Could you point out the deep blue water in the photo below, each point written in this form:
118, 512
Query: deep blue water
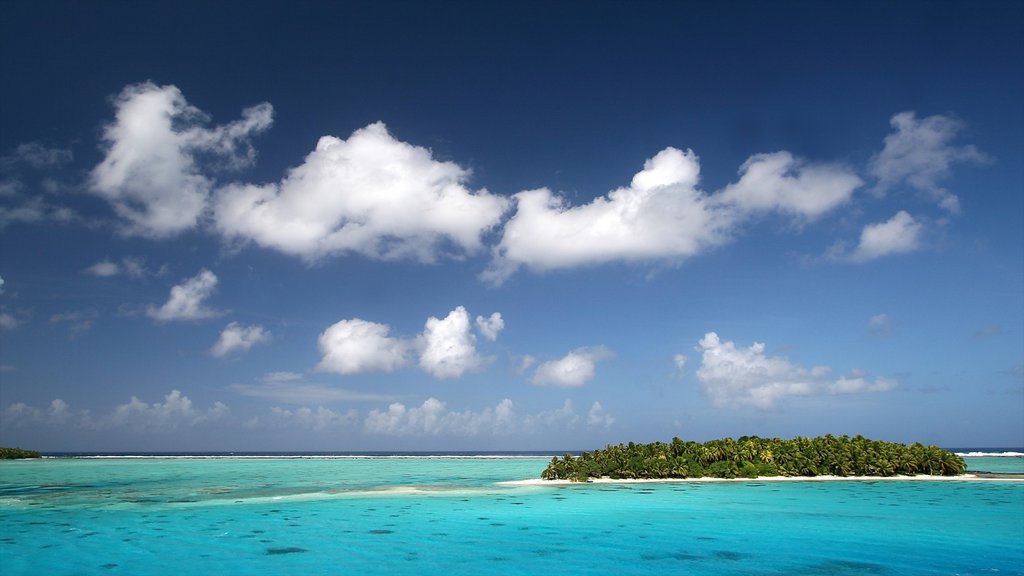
441, 515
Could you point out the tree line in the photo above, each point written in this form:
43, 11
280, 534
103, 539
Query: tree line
16, 453
751, 456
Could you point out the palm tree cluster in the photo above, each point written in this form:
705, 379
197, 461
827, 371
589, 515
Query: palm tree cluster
750, 457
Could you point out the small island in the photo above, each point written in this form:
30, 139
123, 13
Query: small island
17, 454
753, 457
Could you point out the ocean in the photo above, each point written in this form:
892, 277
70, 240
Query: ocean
450, 514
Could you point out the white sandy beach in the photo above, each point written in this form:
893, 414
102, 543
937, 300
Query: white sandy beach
606, 480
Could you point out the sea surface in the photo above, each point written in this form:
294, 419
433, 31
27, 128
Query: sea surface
444, 514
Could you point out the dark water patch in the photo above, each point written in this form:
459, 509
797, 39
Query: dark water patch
286, 550
497, 524
381, 531
843, 568
108, 566
258, 531
677, 556
730, 555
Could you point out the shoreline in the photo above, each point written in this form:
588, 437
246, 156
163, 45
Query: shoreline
920, 477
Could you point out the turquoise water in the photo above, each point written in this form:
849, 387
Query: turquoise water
450, 516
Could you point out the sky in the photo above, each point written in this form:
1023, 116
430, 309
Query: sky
509, 225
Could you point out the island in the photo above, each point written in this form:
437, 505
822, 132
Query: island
753, 457
17, 454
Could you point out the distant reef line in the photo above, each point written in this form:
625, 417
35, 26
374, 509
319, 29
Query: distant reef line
754, 457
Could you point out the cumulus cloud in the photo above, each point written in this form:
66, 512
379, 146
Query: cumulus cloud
448, 348
187, 300
131, 267
356, 346
898, 235
920, 154
58, 413
779, 182
732, 376
303, 418
238, 338
746, 376
573, 370
598, 418
680, 361
489, 327
662, 215
433, 418
371, 194
151, 173
176, 411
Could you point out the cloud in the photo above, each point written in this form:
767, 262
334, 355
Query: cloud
680, 361
920, 154
176, 411
151, 173
433, 418
371, 195
238, 338
898, 235
573, 370
130, 267
304, 418
447, 348
38, 156
746, 376
187, 300
880, 325
19, 415
732, 376
598, 418
78, 320
857, 385
34, 210
489, 327
781, 183
562, 418
662, 215
289, 388
356, 346
8, 321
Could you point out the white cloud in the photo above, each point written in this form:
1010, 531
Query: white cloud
598, 418
8, 321
320, 418
880, 325
490, 327
130, 267
19, 414
187, 300
561, 418
735, 376
289, 388
238, 338
356, 346
150, 174
856, 384
432, 418
371, 194
573, 370
732, 376
176, 411
680, 361
661, 215
779, 182
448, 349
920, 153
898, 235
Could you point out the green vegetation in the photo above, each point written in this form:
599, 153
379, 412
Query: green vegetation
15, 453
750, 457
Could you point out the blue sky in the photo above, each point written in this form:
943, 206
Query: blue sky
500, 226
